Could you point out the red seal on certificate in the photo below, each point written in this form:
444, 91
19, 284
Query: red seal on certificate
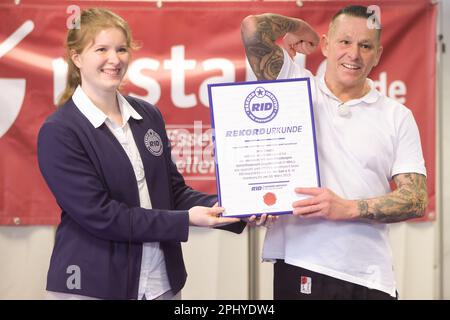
270, 199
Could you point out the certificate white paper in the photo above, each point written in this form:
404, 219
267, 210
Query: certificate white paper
265, 145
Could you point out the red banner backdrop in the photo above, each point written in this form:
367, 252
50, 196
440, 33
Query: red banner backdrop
184, 47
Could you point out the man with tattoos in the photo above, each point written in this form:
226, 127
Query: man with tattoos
336, 245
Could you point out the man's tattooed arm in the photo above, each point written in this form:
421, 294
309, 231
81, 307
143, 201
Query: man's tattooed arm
408, 201
259, 34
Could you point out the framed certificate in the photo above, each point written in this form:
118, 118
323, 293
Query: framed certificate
265, 145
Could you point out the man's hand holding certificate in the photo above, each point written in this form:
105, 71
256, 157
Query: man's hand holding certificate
264, 145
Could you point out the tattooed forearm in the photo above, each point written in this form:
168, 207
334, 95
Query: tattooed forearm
259, 34
408, 201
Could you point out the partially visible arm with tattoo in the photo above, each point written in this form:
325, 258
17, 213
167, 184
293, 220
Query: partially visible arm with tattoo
408, 201
259, 34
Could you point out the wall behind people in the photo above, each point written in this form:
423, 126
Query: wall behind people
444, 147
217, 263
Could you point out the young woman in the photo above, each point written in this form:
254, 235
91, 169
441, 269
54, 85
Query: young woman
106, 158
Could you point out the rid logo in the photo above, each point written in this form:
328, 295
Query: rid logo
154, 143
257, 188
261, 105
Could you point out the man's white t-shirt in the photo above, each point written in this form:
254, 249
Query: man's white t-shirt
358, 153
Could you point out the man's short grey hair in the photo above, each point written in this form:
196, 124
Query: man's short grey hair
359, 12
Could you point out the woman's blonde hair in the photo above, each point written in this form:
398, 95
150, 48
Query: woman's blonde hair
92, 21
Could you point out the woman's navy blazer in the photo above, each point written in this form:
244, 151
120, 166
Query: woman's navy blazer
102, 228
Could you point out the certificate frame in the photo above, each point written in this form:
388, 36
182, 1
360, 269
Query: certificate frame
267, 127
